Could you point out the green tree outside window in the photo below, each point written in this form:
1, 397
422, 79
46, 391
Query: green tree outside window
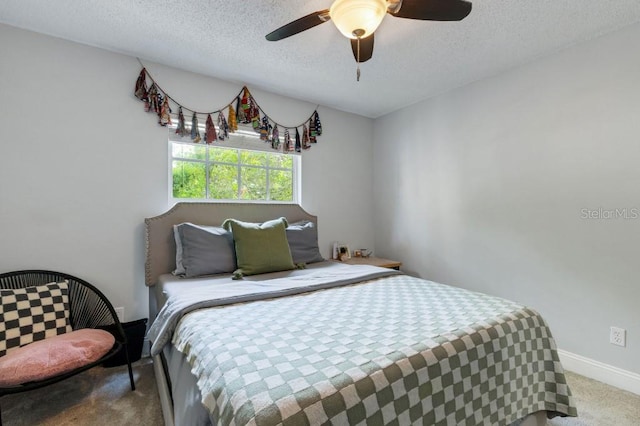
208, 172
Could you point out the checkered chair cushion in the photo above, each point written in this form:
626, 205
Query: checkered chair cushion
33, 313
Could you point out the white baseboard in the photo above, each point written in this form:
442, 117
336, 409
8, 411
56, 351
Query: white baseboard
600, 371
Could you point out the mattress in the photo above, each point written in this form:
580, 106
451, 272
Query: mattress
307, 348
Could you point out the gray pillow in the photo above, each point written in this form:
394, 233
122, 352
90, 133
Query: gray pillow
204, 250
303, 242
179, 266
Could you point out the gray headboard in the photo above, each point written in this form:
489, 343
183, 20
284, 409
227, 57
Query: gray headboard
160, 255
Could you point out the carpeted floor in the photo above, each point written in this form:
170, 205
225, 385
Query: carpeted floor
97, 397
102, 396
600, 405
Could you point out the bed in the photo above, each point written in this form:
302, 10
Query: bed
329, 343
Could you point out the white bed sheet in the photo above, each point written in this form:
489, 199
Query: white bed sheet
169, 284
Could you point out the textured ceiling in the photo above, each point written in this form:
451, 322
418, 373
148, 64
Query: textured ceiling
412, 60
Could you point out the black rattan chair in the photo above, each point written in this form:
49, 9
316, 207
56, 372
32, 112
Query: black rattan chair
88, 308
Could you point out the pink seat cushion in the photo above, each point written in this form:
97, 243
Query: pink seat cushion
54, 356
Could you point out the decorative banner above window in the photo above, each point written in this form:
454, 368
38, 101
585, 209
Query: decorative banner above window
246, 111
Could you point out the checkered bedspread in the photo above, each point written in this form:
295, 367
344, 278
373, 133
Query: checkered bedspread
395, 350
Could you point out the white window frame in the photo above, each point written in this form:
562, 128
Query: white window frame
296, 173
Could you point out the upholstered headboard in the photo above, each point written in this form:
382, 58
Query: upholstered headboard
160, 243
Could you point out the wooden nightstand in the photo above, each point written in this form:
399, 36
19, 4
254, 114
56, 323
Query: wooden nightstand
374, 261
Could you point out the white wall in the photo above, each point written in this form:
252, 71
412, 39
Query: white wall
82, 164
484, 188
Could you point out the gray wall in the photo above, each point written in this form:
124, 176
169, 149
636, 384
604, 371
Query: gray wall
82, 164
484, 188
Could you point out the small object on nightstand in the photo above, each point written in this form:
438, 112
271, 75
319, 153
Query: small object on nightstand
343, 254
341, 251
361, 253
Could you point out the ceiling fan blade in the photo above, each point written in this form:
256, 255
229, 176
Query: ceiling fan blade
434, 10
299, 25
366, 48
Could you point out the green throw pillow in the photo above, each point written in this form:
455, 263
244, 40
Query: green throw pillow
260, 248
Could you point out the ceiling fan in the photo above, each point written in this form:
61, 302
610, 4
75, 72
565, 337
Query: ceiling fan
358, 19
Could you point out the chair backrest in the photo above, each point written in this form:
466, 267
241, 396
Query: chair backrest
88, 307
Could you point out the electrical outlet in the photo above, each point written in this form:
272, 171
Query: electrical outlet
618, 336
120, 313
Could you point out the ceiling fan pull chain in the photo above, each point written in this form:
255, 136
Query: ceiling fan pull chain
358, 61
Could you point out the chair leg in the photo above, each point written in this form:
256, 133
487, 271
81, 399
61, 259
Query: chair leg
126, 354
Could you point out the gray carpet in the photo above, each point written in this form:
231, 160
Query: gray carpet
102, 396
600, 404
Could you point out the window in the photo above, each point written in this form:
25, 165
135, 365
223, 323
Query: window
201, 172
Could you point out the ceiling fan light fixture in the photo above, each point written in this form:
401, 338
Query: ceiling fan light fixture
353, 15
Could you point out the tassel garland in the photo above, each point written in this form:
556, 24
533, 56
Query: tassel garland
254, 113
316, 117
242, 116
312, 129
233, 120
152, 103
247, 111
164, 117
275, 138
210, 131
245, 101
288, 145
305, 137
264, 128
298, 143
141, 86
224, 127
181, 129
195, 131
